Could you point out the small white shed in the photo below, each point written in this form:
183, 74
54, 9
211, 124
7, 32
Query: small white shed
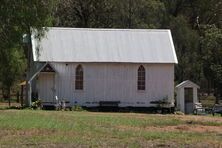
186, 96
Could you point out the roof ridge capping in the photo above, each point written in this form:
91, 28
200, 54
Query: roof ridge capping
107, 29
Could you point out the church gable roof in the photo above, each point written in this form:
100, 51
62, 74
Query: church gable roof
104, 45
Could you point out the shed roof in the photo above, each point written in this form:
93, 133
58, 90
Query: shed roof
104, 45
187, 83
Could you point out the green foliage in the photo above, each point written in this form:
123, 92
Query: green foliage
37, 104
138, 14
207, 101
109, 13
211, 42
77, 108
16, 18
186, 44
162, 102
12, 66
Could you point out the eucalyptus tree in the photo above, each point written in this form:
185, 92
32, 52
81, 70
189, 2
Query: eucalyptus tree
212, 61
16, 19
109, 13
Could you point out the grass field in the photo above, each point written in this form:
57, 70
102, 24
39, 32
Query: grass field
30, 128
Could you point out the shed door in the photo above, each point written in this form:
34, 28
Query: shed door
188, 98
46, 87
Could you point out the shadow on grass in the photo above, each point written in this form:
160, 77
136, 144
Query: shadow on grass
12, 107
145, 110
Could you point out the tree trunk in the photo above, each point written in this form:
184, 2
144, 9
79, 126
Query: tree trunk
219, 94
217, 99
29, 47
130, 14
9, 96
17, 96
22, 89
208, 87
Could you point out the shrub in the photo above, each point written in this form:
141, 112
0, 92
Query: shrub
37, 104
77, 108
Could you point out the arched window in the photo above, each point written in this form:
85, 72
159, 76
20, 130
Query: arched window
79, 78
141, 78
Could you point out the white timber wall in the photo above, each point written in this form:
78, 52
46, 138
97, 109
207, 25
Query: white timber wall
180, 100
114, 82
45, 86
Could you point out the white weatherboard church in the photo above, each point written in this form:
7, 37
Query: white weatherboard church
87, 66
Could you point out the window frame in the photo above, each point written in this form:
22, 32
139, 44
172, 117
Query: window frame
141, 78
79, 78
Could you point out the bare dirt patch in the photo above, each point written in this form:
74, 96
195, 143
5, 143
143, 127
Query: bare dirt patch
199, 118
196, 128
180, 117
183, 127
30, 132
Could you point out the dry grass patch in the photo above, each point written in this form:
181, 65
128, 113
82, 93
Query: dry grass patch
178, 128
27, 128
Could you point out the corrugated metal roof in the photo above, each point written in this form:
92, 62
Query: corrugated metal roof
105, 45
187, 83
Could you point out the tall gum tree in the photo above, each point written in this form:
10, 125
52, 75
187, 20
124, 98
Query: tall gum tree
16, 18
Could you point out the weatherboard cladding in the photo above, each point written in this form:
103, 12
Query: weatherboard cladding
105, 45
113, 82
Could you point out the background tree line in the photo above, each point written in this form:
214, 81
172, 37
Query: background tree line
196, 27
